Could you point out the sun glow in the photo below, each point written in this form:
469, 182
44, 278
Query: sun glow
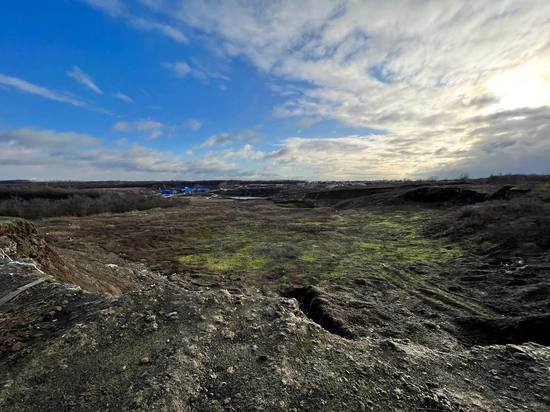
527, 86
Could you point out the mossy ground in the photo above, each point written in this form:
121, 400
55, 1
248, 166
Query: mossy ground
260, 244
319, 247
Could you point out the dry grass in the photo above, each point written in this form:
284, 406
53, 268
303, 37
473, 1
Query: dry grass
500, 226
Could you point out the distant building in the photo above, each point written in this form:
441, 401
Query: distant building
186, 190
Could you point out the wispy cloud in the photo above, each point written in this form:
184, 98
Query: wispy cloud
27, 87
116, 8
151, 128
150, 25
195, 69
123, 97
180, 69
220, 140
84, 79
193, 124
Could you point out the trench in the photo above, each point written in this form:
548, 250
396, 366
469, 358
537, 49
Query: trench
317, 308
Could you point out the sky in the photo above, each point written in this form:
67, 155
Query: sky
309, 89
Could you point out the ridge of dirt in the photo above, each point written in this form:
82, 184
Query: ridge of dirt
172, 349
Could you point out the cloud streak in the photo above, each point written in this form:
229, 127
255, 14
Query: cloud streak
123, 97
30, 88
182, 69
84, 79
116, 8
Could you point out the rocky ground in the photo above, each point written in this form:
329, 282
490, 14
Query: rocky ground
398, 319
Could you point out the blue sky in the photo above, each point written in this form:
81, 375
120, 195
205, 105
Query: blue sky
141, 89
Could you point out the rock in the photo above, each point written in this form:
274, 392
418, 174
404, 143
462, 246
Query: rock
17, 346
172, 316
145, 360
228, 334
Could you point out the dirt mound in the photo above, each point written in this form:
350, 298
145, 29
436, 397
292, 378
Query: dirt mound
342, 194
444, 195
508, 192
20, 239
171, 349
484, 331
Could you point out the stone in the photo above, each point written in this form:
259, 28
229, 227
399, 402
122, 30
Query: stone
17, 346
172, 316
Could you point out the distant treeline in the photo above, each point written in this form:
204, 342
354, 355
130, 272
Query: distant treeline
145, 184
35, 201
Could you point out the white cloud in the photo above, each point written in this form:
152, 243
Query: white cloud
514, 141
28, 137
27, 87
84, 79
441, 78
415, 69
220, 140
247, 152
49, 154
347, 157
123, 97
151, 128
193, 124
180, 69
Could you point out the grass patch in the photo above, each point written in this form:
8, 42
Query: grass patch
345, 247
231, 262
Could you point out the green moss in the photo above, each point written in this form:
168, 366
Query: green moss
238, 261
325, 248
307, 258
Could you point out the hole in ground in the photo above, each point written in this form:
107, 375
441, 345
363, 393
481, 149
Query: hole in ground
487, 331
318, 309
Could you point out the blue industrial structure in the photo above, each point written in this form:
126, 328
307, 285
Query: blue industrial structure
167, 192
185, 190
